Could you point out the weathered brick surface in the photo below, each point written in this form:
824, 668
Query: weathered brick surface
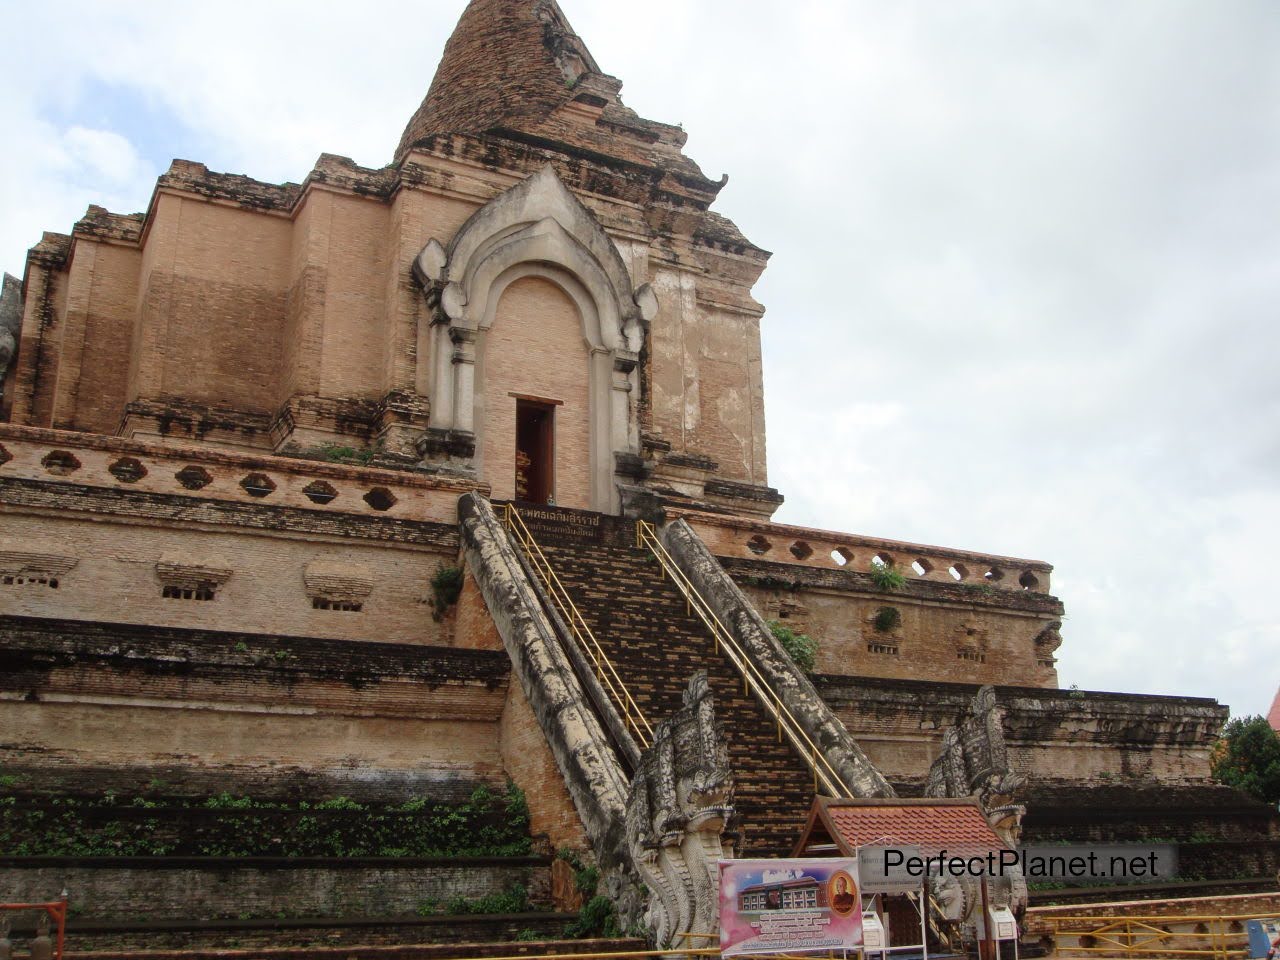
183, 704
404, 938
529, 762
997, 624
535, 348
218, 888
1062, 735
1252, 904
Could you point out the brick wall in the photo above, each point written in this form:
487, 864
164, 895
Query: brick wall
92, 383
1053, 735
535, 348
114, 529
100, 890
473, 628
1251, 904
213, 305
529, 762
400, 719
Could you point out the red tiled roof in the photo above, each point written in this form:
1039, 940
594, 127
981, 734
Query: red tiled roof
957, 826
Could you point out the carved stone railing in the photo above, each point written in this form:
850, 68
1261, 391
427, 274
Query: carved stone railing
728, 536
657, 835
36, 454
851, 772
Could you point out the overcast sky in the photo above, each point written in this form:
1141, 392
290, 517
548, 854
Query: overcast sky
1026, 282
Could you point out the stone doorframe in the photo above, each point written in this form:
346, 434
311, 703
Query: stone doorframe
535, 229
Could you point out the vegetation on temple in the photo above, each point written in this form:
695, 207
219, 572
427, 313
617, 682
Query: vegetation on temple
1247, 756
446, 586
487, 824
800, 647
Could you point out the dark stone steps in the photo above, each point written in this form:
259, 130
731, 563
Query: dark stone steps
641, 620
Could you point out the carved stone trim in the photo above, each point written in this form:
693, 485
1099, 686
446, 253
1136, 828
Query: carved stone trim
182, 572
23, 562
680, 816
537, 228
337, 582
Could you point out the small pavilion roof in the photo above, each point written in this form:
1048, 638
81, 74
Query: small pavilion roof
839, 826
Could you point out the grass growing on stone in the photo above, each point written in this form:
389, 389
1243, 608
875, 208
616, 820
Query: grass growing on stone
800, 647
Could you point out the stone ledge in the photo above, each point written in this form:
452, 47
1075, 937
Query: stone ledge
769, 574
47, 643
76, 498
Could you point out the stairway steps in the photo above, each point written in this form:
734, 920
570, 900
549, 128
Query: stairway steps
641, 620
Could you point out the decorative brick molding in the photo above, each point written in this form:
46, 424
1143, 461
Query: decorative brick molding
984, 574
337, 586
186, 578
21, 564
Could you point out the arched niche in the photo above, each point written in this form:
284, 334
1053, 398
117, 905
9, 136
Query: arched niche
535, 229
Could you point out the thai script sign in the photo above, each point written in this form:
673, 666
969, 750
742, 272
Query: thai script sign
789, 906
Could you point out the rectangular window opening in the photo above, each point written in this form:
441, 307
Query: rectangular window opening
535, 451
343, 606
173, 592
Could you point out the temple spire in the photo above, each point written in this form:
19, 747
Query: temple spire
509, 64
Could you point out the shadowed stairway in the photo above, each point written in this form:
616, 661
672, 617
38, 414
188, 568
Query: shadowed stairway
641, 620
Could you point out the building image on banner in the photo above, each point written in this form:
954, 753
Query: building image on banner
794, 906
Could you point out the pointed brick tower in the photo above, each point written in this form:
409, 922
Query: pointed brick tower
515, 70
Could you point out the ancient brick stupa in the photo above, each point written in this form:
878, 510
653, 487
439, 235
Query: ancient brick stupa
330, 490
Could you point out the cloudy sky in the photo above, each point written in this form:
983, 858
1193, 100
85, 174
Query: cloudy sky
1026, 281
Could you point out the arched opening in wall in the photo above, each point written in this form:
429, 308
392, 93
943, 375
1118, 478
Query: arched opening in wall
533, 398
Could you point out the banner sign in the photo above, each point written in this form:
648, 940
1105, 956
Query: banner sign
789, 906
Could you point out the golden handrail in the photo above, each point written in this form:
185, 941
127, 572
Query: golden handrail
586, 640
824, 774
1145, 936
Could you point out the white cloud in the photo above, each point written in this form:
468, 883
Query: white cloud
101, 156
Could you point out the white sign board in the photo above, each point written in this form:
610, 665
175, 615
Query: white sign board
872, 932
1003, 925
883, 869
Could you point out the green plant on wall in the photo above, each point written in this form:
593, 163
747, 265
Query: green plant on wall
800, 647
887, 619
335, 453
489, 823
446, 585
595, 919
886, 577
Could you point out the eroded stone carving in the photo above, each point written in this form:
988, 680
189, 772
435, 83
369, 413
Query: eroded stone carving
975, 763
1049, 640
10, 320
680, 816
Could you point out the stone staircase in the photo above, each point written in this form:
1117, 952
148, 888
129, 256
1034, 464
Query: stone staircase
641, 620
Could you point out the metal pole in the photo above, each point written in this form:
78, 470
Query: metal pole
924, 933
986, 948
